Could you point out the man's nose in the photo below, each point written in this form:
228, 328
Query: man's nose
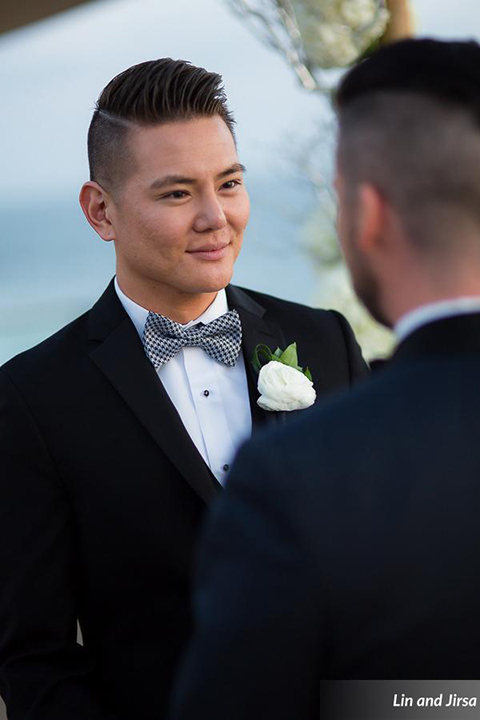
210, 215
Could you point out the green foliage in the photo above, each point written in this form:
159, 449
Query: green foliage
263, 355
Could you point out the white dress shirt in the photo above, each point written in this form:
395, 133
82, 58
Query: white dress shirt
210, 397
425, 314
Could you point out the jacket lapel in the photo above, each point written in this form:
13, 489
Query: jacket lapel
255, 330
119, 354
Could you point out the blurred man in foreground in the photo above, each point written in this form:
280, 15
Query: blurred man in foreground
347, 546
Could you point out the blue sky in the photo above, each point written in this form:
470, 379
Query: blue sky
52, 72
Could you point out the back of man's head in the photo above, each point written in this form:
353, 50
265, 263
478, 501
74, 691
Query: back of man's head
409, 119
145, 95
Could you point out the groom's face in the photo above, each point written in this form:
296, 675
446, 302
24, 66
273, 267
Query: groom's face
179, 218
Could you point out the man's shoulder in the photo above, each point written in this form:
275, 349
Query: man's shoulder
270, 302
49, 353
353, 437
288, 311
331, 459
325, 423
326, 341
62, 350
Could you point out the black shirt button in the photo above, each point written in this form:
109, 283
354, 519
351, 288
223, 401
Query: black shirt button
206, 393
226, 467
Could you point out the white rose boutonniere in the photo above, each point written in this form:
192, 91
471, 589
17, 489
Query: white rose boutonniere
282, 383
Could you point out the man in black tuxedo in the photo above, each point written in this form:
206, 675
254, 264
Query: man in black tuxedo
117, 432
346, 546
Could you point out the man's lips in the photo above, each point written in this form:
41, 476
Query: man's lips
210, 252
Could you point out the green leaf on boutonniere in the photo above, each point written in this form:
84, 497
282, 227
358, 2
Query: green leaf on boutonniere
263, 355
289, 356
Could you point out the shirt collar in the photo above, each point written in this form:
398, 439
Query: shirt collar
425, 314
138, 314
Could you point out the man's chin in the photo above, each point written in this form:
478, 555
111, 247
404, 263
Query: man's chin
369, 296
376, 312
214, 282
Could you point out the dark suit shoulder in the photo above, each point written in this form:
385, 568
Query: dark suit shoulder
400, 425
288, 308
324, 338
56, 351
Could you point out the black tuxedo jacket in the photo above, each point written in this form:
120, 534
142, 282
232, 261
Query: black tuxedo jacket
101, 496
347, 545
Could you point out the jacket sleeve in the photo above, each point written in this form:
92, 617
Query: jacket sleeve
255, 648
44, 673
358, 366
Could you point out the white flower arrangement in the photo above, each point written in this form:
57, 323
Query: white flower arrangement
335, 33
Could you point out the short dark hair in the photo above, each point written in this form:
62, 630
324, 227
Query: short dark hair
148, 94
448, 72
409, 118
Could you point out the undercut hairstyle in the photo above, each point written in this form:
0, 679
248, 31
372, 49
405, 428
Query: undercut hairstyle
149, 94
409, 124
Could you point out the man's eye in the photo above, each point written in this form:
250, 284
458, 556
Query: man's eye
230, 184
175, 195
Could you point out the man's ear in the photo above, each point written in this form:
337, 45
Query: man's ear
94, 201
372, 217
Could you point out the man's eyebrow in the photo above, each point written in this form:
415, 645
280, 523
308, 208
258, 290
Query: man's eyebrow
181, 180
238, 167
171, 180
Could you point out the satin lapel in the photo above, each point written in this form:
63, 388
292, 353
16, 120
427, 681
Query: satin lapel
255, 329
121, 358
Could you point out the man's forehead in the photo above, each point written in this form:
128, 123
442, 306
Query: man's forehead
185, 135
197, 147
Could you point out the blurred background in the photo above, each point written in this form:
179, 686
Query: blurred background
52, 265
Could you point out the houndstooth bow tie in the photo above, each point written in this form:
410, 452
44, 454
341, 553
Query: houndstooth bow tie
221, 339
